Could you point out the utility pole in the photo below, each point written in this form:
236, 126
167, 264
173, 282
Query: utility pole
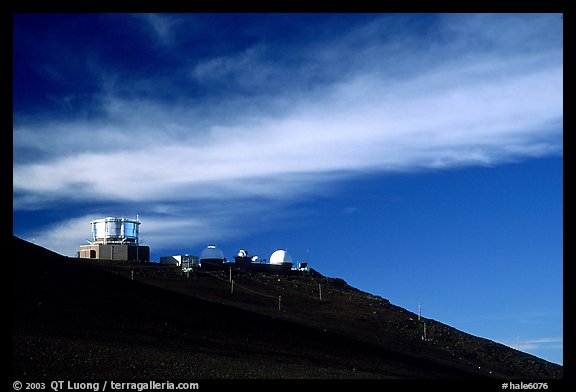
423, 323
320, 290
232, 287
138, 239
230, 279
279, 302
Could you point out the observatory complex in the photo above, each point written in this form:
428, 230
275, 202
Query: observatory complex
118, 239
212, 258
115, 239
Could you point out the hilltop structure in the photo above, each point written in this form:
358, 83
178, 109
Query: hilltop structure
115, 239
280, 262
185, 261
212, 258
118, 239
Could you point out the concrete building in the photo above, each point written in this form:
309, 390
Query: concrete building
115, 252
185, 261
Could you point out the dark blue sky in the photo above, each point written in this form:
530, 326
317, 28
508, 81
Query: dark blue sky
417, 156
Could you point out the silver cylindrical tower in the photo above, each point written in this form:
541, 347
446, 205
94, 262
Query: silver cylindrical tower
112, 230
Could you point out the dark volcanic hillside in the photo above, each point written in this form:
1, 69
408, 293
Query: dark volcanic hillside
81, 319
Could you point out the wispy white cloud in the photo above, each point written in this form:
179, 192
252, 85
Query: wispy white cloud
350, 210
65, 236
550, 343
476, 123
161, 25
534, 345
169, 226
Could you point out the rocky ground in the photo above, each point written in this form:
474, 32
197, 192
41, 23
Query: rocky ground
104, 320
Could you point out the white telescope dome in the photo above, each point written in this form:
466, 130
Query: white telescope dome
280, 257
211, 253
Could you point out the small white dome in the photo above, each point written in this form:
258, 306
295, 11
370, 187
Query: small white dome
211, 253
280, 257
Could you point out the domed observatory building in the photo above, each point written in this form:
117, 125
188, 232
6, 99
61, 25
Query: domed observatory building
281, 259
211, 258
243, 258
115, 239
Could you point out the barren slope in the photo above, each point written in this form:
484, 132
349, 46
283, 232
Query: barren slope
90, 320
